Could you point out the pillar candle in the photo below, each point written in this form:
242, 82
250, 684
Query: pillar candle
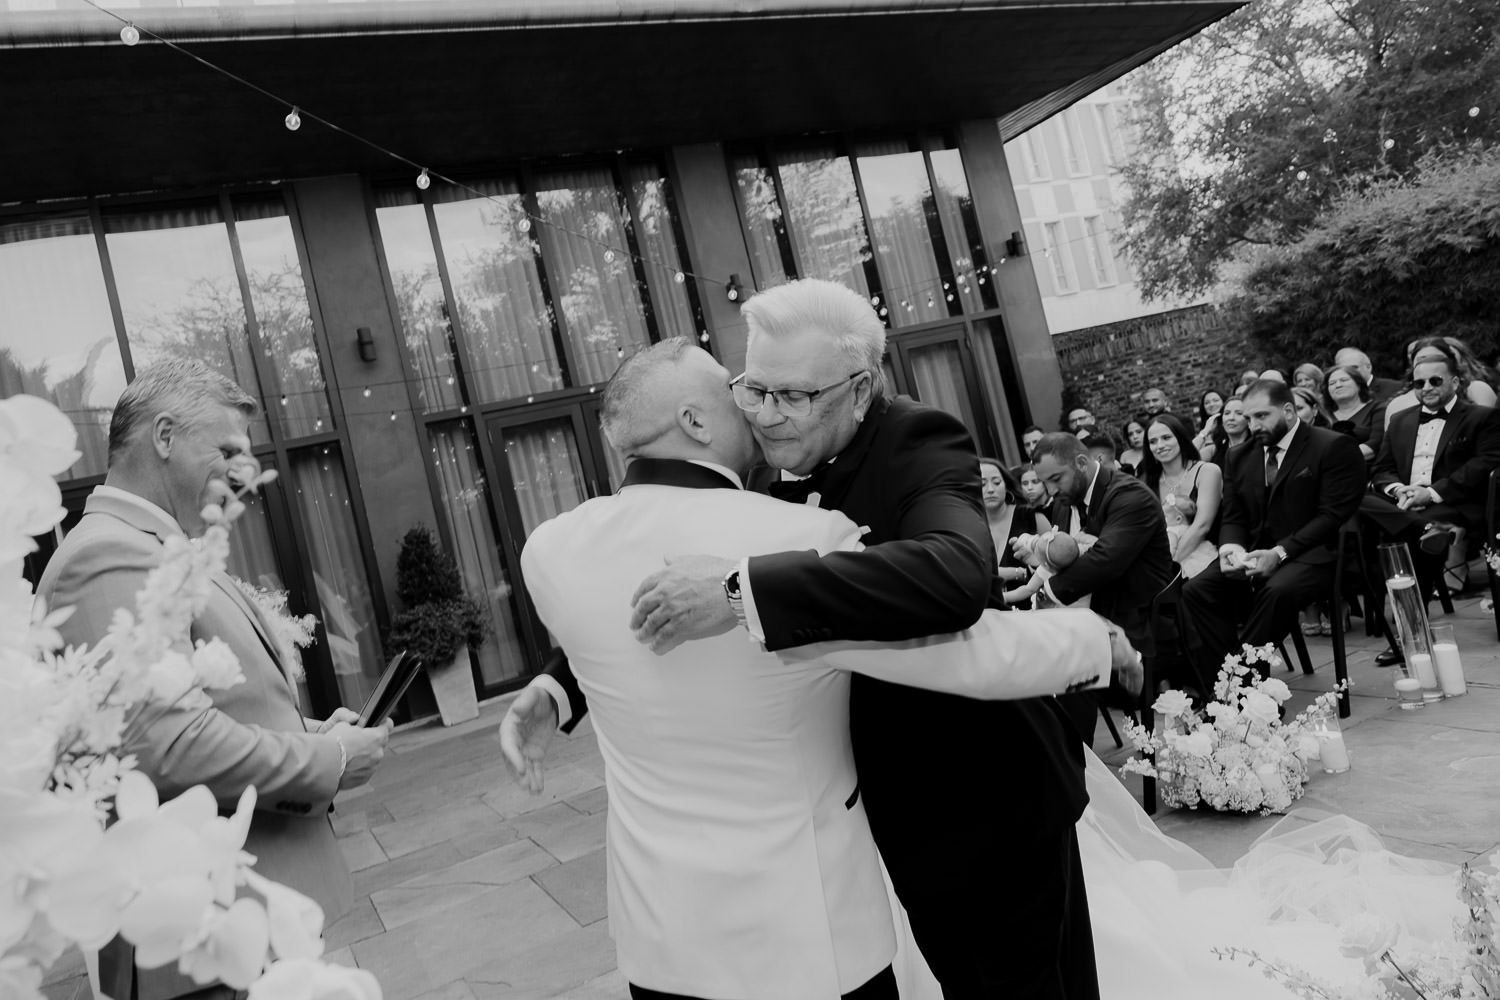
1421, 668
1450, 668
1335, 754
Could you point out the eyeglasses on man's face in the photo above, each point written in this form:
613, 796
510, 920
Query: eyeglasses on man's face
1432, 382
790, 402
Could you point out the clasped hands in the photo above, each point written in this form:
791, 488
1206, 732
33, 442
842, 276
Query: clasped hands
1413, 497
1255, 564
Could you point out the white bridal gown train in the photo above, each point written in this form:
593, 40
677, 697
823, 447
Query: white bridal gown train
1159, 908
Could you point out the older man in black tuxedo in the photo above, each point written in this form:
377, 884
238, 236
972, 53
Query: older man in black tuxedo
1287, 492
1127, 565
1432, 472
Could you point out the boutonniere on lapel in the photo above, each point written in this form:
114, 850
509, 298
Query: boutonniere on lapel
1304, 474
291, 632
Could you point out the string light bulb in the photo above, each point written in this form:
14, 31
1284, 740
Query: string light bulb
393, 414
367, 392
609, 256
130, 34
293, 120
524, 225
1390, 143
1301, 175
423, 180
1474, 112
679, 277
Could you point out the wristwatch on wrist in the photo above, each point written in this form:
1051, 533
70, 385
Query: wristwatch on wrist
1280, 552
734, 595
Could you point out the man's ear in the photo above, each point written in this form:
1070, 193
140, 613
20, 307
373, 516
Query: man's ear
864, 394
690, 421
164, 432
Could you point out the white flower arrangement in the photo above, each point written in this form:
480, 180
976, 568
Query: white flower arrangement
1466, 968
1237, 755
293, 632
172, 878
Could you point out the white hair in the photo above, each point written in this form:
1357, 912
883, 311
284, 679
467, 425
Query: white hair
844, 315
633, 411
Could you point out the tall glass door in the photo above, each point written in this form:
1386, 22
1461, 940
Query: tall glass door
937, 368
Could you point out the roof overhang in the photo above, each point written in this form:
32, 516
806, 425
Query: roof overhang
455, 82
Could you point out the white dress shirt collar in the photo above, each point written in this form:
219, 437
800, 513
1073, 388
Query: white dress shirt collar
1286, 439
1088, 496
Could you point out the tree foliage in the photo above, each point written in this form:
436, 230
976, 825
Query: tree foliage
438, 617
1407, 258
1249, 130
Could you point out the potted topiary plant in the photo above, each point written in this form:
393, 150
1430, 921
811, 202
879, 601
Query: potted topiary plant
438, 624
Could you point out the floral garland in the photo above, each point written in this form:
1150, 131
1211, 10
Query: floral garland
1238, 755
168, 877
293, 632
1467, 968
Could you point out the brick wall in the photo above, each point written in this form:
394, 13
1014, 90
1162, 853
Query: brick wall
1184, 352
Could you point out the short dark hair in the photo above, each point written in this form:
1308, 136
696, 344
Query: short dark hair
1354, 376
1102, 442
1279, 393
1439, 345
1061, 445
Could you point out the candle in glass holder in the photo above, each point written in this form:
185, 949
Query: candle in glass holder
1421, 669
1335, 755
1450, 668
1409, 690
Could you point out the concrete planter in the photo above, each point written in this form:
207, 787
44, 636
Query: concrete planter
453, 687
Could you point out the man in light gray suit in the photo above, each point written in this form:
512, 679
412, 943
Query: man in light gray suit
178, 431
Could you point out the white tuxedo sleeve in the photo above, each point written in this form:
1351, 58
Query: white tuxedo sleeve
1005, 656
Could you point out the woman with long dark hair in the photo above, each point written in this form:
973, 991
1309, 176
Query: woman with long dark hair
1134, 436
1231, 429
1009, 515
1189, 489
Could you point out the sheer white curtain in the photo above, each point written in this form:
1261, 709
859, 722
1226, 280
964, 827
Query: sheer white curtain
425, 332
826, 223
589, 269
897, 195
546, 470
465, 509
956, 207
938, 377
657, 240
760, 212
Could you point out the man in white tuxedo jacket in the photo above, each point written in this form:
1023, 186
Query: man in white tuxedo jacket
741, 865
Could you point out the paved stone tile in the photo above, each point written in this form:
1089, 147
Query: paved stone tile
484, 840
406, 835
610, 986
566, 961
572, 838
356, 925
420, 897
592, 801
543, 818
424, 797
398, 870
1478, 710
361, 850
456, 990
343, 956
578, 886
350, 821
426, 954
567, 781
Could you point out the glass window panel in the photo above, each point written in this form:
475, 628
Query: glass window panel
546, 469
426, 334
57, 336
252, 555
937, 375
1057, 257
283, 319
320, 499
761, 212
897, 197
1072, 137
180, 294
1109, 140
1096, 242
827, 226
657, 240
506, 324
1035, 151
589, 269
464, 506
961, 230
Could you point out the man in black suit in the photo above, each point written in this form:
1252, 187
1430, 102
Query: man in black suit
1129, 563
1287, 492
1432, 472
997, 906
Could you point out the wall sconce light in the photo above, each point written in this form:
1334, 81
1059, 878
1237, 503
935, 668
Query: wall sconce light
366, 342
734, 291
1015, 246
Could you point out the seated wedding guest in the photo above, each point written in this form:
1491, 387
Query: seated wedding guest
1032, 491
1472, 384
1247, 378
1230, 431
1134, 435
1309, 406
1381, 389
1308, 376
1286, 495
1102, 446
1155, 401
1029, 437
1009, 515
1353, 410
1210, 405
1080, 422
1272, 375
1432, 473
1128, 564
1188, 489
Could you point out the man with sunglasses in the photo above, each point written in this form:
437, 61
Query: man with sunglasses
997, 904
1432, 472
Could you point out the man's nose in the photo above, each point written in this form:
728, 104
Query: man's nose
769, 414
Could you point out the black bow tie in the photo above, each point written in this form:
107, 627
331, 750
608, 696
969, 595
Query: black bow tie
1425, 416
798, 490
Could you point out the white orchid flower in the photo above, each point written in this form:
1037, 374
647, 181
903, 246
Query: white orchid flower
303, 979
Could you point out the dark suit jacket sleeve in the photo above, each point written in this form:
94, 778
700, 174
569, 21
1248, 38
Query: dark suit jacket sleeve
1376, 431
1341, 484
1130, 521
932, 577
1234, 528
561, 671
1383, 471
1468, 482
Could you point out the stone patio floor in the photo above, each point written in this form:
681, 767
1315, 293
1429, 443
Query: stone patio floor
470, 888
